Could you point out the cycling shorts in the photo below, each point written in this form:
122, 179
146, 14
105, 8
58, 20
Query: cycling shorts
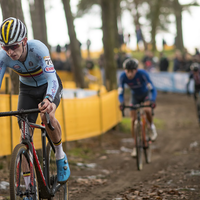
30, 97
135, 99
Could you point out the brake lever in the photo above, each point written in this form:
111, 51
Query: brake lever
49, 122
48, 119
123, 113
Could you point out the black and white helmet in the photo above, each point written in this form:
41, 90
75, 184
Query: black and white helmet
12, 30
194, 67
130, 64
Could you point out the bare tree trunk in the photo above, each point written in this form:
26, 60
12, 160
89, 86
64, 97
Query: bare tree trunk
137, 23
154, 22
13, 8
108, 43
74, 46
37, 11
178, 15
117, 13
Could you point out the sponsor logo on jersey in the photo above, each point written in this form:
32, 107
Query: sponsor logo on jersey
49, 69
1, 64
16, 67
54, 87
31, 49
30, 63
138, 81
48, 60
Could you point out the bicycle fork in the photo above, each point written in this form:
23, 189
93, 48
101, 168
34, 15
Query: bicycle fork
27, 140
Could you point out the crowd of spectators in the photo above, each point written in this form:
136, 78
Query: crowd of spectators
180, 62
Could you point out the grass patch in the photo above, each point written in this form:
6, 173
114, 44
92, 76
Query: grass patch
84, 153
1, 166
125, 125
160, 124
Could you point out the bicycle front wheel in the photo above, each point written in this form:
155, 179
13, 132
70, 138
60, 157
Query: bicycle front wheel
139, 146
62, 190
147, 146
20, 163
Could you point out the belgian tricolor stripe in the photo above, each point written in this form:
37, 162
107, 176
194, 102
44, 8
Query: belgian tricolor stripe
30, 74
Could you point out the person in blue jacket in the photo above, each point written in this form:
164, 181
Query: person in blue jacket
142, 90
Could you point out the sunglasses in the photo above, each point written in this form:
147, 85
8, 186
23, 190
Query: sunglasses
12, 47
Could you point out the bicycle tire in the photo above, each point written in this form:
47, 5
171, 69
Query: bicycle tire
198, 109
16, 173
139, 146
147, 146
62, 192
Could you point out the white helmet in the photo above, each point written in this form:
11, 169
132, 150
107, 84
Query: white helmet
194, 67
12, 30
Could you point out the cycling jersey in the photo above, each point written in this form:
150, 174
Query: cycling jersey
196, 77
36, 70
138, 85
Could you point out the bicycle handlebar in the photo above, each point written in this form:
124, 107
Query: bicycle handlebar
137, 106
28, 111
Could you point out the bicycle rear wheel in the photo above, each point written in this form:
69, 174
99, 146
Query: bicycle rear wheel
17, 183
147, 146
198, 109
62, 192
139, 146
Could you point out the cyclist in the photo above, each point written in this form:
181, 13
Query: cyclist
195, 75
142, 90
39, 82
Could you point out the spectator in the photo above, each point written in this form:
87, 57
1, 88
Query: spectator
139, 36
164, 43
196, 51
88, 43
187, 62
178, 61
148, 61
163, 63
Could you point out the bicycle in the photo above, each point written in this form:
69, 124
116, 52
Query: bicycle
197, 105
43, 179
142, 135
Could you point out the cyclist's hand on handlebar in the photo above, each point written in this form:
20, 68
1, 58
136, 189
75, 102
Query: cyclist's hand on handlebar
45, 106
153, 104
121, 106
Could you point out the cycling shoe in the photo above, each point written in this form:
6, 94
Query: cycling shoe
63, 170
27, 198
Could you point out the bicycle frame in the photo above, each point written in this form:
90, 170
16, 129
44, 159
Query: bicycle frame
142, 140
27, 140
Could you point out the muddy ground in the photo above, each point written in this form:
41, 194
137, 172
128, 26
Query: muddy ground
174, 172
102, 168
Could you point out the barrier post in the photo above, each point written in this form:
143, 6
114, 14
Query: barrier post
100, 111
64, 127
11, 131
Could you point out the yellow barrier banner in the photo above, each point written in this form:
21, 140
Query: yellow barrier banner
79, 118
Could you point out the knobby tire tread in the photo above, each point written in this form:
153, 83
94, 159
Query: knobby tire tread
16, 152
64, 186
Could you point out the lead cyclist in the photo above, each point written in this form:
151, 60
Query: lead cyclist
39, 82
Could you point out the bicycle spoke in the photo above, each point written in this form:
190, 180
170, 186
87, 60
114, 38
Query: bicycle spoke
20, 162
62, 192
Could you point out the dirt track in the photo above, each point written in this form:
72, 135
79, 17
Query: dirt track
106, 171
173, 174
